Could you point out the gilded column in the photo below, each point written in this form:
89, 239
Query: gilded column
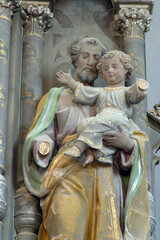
132, 24
6, 10
36, 20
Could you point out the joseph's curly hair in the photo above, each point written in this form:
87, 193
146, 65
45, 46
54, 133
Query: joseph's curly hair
123, 57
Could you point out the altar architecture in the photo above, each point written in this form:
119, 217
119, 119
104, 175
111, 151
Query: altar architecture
35, 41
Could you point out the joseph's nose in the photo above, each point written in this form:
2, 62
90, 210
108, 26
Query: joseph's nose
90, 61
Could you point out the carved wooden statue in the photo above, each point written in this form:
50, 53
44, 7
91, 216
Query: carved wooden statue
100, 201
113, 105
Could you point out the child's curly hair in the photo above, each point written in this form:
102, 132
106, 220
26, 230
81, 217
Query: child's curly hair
123, 57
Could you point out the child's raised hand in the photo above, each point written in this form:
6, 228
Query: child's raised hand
63, 77
66, 79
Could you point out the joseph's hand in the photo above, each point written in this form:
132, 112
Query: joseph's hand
118, 140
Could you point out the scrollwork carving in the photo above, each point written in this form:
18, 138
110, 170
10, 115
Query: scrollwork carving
132, 22
156, 111
36, 19
3, 196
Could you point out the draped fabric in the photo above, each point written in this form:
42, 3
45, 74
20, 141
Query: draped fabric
33, 176
83, 203
91, 196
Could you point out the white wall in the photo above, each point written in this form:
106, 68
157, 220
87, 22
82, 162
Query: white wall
153, 57
153, 77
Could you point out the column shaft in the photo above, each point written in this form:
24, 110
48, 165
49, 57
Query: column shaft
5, 33
36, 20
32, 83
132, 23
5, 27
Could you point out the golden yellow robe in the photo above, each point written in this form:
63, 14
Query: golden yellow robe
81, 203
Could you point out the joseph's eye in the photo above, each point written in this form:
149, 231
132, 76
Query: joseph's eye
114, 66
96, 58
85, 56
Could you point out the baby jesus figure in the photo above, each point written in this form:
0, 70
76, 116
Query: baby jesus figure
113, 105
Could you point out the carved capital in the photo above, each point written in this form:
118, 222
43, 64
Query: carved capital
36, 19
7, 8
132, 22
5, 3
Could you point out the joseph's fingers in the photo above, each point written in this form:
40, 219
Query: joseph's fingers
108, 144
109, 139
113, 134
120, 128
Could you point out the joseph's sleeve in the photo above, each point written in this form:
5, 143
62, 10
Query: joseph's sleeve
126, 159
48, 136
86, 95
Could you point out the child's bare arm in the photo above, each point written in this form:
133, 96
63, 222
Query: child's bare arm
66, 79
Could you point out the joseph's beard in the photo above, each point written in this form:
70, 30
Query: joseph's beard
88, 76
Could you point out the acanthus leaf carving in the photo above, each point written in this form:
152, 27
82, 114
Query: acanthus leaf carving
7, 8
36, 19
132, 21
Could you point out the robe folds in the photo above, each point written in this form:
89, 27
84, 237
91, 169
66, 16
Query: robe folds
86, 203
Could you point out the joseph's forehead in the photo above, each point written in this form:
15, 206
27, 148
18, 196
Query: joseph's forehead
91, 49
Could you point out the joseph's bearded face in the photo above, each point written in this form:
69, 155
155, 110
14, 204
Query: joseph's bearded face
87, 62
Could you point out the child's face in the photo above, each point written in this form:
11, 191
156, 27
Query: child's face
113, 72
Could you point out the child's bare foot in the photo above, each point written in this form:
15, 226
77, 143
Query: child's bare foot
73, 152
90, 158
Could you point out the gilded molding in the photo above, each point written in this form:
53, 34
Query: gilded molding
156, 112
132, 22
36, 19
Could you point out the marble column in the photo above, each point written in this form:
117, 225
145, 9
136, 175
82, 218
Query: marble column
6, 11
36, 20
132, 23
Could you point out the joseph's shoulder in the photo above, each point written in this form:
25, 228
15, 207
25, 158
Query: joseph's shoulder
65, 99
66, 93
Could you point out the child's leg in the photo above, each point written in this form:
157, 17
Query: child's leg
78, 148
90, 157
